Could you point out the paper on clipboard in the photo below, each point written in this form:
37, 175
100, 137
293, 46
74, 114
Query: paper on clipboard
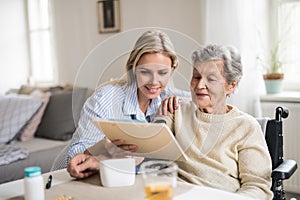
154, 140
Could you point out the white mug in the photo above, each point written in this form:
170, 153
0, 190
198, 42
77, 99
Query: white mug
117, 172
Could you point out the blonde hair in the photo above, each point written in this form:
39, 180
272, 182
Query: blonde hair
154, 41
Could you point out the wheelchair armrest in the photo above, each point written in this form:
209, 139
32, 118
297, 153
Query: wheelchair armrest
285, 170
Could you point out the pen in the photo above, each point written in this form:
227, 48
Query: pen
48, 184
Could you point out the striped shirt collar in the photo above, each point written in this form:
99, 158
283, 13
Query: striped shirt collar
131, 105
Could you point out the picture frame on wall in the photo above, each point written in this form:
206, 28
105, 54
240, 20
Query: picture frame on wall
109, 16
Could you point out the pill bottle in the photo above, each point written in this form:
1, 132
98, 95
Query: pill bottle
34, 184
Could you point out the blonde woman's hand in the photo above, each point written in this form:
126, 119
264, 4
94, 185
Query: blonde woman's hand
106, 149
169, 104
119, 148
82, 166
124, 150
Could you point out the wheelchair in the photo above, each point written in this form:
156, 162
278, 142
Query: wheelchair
281, 169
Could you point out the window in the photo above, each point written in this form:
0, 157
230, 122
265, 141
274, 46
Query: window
40, 43
289, 36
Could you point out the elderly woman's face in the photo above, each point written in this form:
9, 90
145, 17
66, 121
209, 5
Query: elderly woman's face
209, 88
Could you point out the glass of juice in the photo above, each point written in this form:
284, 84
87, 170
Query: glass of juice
160, 179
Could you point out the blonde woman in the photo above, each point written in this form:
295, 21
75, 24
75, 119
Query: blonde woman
136, 97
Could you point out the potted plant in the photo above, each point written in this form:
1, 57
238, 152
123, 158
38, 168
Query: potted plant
273, 75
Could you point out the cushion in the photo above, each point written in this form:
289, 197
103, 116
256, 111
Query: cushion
62, 113
10, 153
28, 89
29, 130
15, 112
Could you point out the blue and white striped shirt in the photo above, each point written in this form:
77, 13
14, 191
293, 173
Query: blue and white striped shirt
108, 102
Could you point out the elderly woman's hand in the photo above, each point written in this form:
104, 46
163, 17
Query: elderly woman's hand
169, 104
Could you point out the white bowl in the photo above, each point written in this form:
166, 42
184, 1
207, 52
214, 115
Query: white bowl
117, 172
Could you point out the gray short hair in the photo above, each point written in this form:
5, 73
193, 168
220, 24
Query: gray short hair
232, 69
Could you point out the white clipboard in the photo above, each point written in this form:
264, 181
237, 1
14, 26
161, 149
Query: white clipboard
154, 140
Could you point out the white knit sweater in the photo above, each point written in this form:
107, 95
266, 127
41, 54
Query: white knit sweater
227, 151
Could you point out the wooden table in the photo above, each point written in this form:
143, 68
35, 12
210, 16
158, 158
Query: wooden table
90, 188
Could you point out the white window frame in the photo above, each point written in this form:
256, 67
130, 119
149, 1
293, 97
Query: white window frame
291, 83
41, 49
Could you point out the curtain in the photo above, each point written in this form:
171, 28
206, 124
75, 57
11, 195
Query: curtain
243, 24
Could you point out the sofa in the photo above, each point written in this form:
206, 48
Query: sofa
36, 123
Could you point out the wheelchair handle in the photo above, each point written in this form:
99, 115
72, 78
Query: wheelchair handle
281, 112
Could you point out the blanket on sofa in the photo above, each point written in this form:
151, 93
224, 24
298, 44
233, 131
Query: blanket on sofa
11, 153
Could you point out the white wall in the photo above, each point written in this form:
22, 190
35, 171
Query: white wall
13, 45
76, 32
77, 38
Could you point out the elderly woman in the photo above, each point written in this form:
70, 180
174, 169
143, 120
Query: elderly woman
225, 146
